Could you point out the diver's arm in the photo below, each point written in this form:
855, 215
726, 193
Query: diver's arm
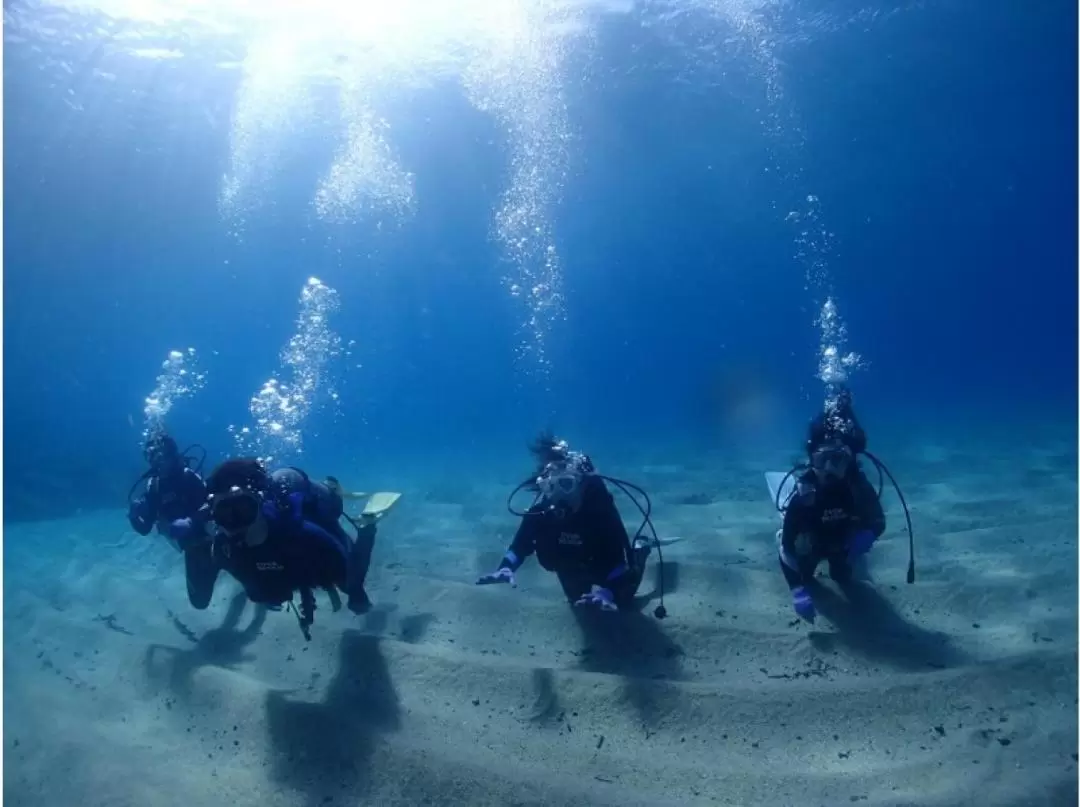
795, 523
187, 532
524, 543
790, 527
142, 513
194, 490
191, 529
797, 520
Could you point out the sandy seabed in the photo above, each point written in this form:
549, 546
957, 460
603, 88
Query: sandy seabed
960, 689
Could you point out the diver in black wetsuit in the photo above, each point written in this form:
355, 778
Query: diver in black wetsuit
266, 537
576, 531
835, 427
173, 497
835, 513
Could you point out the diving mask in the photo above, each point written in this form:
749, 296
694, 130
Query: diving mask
236, 509
561, 481
832, 462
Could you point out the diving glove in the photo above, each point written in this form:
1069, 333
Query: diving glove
500, 575
599, 596
860, 544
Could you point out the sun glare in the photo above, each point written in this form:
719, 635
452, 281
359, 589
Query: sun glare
375, 22
507, 57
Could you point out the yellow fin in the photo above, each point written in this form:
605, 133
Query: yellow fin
379, 504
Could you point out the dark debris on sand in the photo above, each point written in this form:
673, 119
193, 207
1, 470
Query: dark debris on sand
112, 624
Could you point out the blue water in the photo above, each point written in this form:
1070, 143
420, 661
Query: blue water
938, 138
393, 241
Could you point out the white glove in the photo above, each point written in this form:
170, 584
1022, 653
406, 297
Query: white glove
599, 596
503, 575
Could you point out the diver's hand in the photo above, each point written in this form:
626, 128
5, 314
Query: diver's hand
503, 575
860, 544
599, 596
137, 518
180, 530
804, 606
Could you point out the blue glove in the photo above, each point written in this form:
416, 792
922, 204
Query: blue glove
601, 597
860, 544
804, 606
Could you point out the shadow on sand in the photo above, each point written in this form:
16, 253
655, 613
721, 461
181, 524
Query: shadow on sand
546, 707
324, 749
868, 626
670, 583
221, 647
631, 645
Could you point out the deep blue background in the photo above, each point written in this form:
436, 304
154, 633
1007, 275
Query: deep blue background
941, 141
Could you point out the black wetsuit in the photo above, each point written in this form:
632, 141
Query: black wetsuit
829, 517
297, 555
306, 548
584, 548
170, 497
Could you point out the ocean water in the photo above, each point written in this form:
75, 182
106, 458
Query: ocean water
393, 241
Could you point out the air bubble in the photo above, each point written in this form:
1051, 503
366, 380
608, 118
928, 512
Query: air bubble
281, 407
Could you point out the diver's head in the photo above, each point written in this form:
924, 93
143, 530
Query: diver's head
161, 452
832, 463
334, 486
237, 489
547, 448
843, 400
561, 480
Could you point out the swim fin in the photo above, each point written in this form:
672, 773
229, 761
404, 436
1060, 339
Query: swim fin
379, 504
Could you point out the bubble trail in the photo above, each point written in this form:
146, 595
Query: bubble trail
179, 378
281, 407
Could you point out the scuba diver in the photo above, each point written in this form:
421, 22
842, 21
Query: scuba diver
278, 534
576, 531
174, 496
835, 513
